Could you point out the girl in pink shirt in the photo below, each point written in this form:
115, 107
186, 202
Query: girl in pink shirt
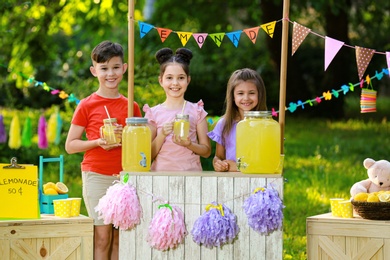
170, 152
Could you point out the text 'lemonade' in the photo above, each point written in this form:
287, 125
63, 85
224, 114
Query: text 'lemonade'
107, 131
181, 126
136, 145
258, 143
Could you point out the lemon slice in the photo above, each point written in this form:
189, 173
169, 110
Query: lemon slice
61, 188
50, 191
384, 197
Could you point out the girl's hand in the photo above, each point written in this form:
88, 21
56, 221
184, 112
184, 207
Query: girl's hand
221, 166
167, 128
177, 140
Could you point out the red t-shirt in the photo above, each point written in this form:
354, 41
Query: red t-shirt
89, 114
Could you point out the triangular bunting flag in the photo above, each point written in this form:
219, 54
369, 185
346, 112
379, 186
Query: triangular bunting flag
332, 47
363, 58
144, 28
269, 28
388, 59
164, 33
234, 37
217, 38
184, 37
252, 33
299, 34
200, 38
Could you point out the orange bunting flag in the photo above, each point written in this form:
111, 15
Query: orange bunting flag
299, 34
164, 33
363, 58
252, 33
269, 28
184, 37
217, 38
200, 38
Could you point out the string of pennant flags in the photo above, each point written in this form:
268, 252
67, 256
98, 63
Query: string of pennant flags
299, 33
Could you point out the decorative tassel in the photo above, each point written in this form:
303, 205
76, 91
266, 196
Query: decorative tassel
216, 227
52, 128
26, 133
368, 101
3, 133
58, 130
264, 210
167, 228
42, 140
14, 141
120, 206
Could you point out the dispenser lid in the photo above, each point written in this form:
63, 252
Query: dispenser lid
136, 120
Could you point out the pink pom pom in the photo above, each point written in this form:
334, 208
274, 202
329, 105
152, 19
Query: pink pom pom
167, 228
120, 206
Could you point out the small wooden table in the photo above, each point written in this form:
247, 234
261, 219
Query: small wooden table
337, 238
49, 237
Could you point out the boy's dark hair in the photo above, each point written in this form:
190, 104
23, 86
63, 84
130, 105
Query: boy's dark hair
106, 50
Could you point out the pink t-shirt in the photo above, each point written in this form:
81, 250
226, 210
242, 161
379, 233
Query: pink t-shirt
173, 157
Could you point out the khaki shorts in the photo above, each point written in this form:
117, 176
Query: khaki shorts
95, 186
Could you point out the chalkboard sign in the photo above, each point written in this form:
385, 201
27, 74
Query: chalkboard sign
19, 191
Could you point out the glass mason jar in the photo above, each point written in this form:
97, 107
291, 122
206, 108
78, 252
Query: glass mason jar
107, 131
136, 145
258, 143
181, 126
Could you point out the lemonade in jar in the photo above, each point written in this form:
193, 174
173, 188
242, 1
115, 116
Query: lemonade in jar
181, 126
107, 131
136, 145
258, 143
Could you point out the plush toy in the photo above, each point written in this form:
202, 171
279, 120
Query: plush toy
378, 177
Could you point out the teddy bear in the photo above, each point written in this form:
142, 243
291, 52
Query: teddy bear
378, 177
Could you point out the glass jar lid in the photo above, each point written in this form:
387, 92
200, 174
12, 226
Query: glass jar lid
182, 116
109, 121
257, 113
136, 120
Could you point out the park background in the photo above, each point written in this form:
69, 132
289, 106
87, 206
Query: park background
45, 46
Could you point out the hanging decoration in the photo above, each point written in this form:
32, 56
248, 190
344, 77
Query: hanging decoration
299, 34
167, 229
52, 127
42, 139
14, 141
363, 58
332, 47
3, 133
120, 205
59, 129
264, 210
215, 227
27, 133
368, 100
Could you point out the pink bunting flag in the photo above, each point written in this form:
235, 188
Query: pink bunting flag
252, 33
332, 47
200, 38
299, 34
164, 33
363, 58
388, 59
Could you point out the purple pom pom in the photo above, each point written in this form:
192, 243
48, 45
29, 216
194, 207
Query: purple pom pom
264, 210
215, 227
167, 228
120, 206
3, 133
42, 139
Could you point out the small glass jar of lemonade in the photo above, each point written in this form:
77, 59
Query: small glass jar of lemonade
258, 143
181, 126
136, 145
107, 131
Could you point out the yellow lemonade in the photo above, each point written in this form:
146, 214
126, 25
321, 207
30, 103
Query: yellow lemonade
181, 128
136, 145
258, 143
107, 131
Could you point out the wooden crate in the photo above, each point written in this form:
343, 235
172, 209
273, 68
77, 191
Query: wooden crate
47, 238
192, 191
336, 238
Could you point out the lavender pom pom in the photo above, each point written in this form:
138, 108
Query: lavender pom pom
264, 210
215, 227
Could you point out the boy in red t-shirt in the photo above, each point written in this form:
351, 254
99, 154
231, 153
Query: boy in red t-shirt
101, 164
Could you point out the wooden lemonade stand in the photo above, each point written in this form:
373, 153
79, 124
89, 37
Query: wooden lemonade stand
191, 191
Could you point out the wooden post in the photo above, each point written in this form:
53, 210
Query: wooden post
283, 72
130, 68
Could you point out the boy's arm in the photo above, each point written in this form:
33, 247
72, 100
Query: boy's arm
74, 144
